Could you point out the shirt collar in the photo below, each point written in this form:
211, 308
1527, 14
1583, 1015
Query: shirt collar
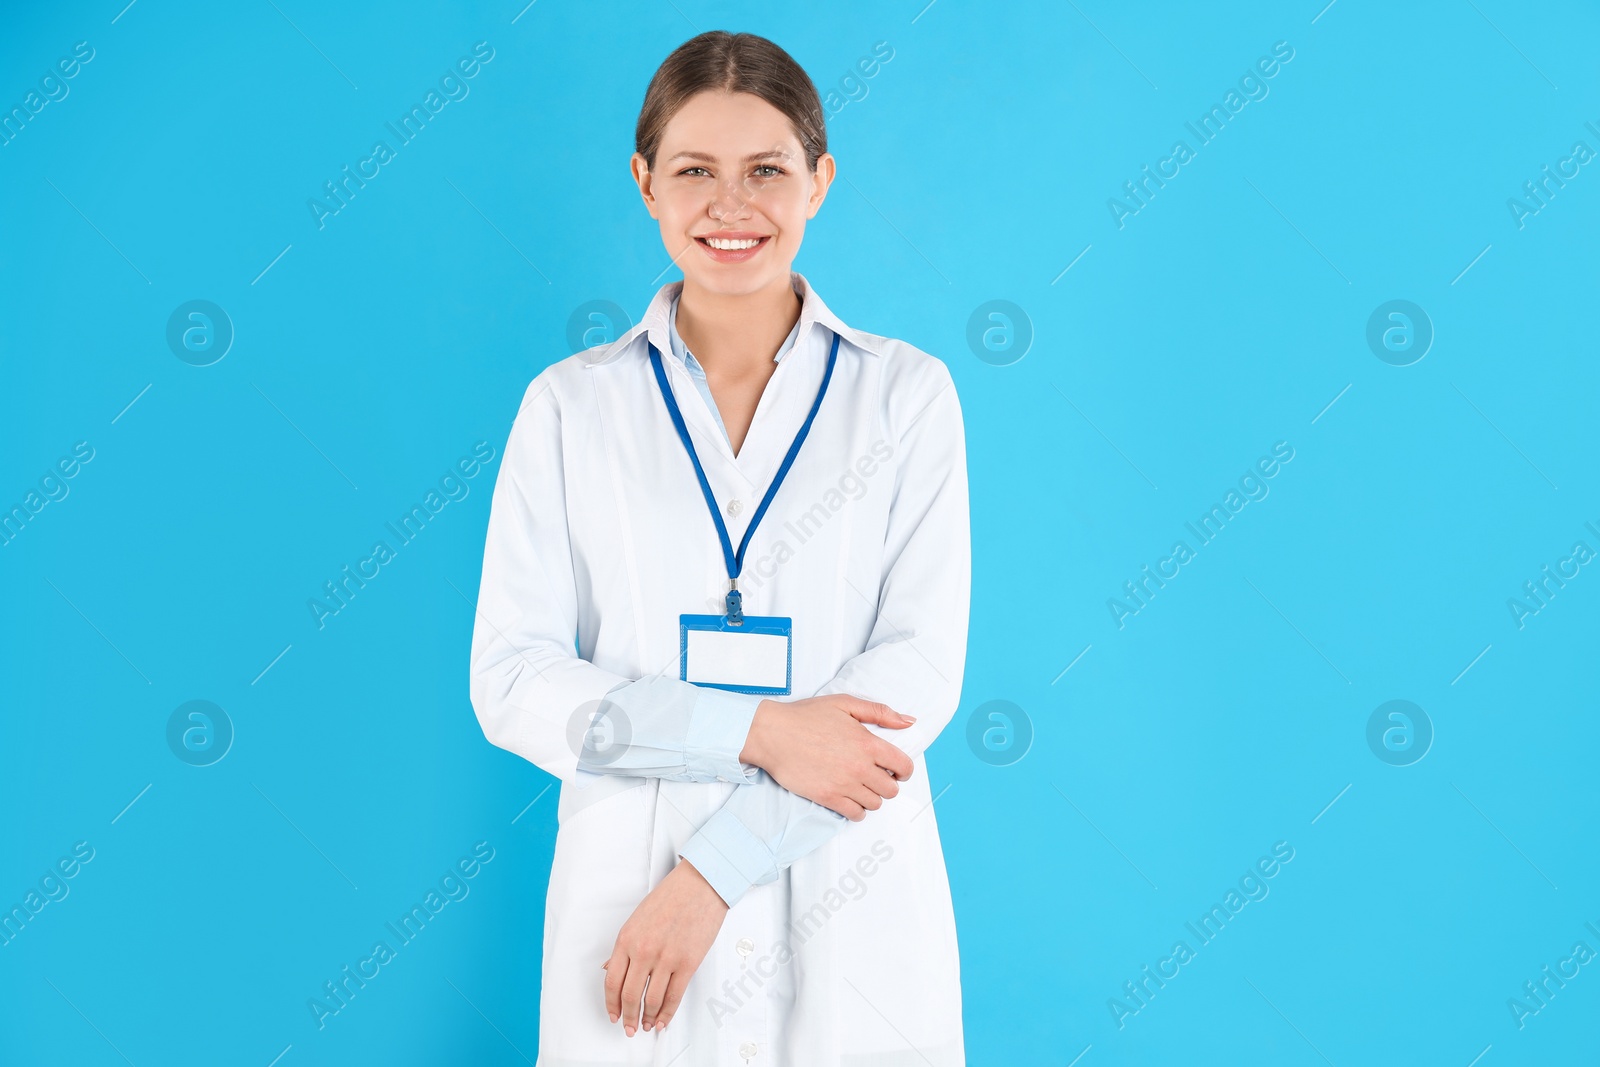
657, 324
687, 358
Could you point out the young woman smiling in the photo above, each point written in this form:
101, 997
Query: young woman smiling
747, 867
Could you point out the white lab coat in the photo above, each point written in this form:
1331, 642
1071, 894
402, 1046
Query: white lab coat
598, 530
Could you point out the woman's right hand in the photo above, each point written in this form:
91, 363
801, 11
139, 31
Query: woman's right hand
818, 748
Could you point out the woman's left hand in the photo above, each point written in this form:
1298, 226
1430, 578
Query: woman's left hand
665, 940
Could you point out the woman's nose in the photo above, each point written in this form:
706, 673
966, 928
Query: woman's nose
732, 200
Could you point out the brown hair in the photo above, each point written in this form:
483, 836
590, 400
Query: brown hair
735, 63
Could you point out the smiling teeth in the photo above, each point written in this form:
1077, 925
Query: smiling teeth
731, 246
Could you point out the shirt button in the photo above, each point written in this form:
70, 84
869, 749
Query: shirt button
734, 507
748, 1051
745, 946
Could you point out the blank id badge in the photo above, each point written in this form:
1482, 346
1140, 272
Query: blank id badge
755, 657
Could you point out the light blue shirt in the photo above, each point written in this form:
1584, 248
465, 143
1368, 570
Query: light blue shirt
664, 727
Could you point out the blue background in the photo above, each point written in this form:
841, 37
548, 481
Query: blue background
1228, 314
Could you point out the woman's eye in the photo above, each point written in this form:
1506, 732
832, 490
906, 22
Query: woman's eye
776, 171
690, 170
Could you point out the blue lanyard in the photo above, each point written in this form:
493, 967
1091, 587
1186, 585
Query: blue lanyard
735, 561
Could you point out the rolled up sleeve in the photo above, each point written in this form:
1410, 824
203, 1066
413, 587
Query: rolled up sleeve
672, 729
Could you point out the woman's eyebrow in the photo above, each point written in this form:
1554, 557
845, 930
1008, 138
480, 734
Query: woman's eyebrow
773, 153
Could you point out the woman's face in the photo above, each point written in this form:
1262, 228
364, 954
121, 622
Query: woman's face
730, 168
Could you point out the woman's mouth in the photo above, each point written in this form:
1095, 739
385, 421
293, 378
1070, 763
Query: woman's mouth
733, 249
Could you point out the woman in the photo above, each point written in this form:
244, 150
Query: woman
750, 523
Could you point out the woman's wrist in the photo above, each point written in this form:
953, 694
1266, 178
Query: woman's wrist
755, 749
692, 873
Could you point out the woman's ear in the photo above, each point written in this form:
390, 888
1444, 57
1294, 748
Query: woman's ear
642, 175
821, 179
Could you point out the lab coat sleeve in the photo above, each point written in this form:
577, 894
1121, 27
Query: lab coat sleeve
914, 659
532, 693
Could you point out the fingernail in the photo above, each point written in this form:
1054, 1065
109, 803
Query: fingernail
629, 1029
613, 1016
647, 1027
909, 718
